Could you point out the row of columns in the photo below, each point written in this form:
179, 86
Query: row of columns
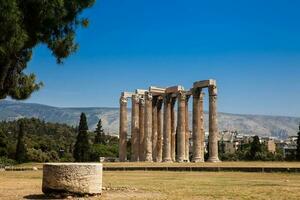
154, 135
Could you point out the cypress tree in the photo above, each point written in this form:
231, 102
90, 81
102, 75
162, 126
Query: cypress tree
255, 147
82, 146
21, 149
100, 135
298, 146
3, 144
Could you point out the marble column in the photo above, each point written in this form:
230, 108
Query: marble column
159, 129
154, 128
181, 127
167, 129
123, 130
173, 130
213, 125
141, 126
135, 128
187, 130
198, 126
148, 127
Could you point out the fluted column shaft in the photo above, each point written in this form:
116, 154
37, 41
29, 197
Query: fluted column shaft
123, 130
181, 127
154, 128
167, 129
148, 127
135, 128
213, 125
187, 130
141, 125
159, 130
173, 130
198, 126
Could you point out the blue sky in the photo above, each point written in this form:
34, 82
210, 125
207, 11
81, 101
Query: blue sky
251, 47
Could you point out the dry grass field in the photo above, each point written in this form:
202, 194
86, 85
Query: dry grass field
167, 185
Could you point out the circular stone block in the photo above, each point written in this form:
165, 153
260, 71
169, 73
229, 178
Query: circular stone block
74, 178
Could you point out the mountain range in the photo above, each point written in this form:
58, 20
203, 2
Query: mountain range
262, 125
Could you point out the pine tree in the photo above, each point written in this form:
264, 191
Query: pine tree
27, 24
3, 144
21, 149
298, 146
82, 146
100, 135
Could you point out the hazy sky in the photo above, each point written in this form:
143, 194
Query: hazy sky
251, 47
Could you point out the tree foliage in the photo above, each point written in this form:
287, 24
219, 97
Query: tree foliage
27, 23
21, 148
45, 142
255, 147
82, 145
3, 144
100, 135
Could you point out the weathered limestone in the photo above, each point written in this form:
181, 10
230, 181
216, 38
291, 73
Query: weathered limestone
159, 129
204, 84
123, 129
135, 128
213, 125
148, 127
181, 127
187, 129
168, 139
173, 130
74, 178
167, 129
198, 126
142, 130
154, 128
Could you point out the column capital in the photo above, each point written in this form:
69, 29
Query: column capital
213, 90
167, 98
123, 100
142, 101
148, 96
135, 98
181, 96
196, 92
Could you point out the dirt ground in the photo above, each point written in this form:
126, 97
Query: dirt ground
166, 185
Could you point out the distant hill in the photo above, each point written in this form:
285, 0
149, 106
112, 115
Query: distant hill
248, 124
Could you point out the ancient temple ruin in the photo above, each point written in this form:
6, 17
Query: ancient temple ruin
155, 135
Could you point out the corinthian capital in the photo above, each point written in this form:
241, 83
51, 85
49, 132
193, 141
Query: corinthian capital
213, 91
135, 98
148, 96
123, 100
181, 96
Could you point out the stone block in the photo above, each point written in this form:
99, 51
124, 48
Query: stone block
127, 94
72, 178
156, 91
204, 84
174, 89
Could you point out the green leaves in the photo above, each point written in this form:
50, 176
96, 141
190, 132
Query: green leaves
27, 23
